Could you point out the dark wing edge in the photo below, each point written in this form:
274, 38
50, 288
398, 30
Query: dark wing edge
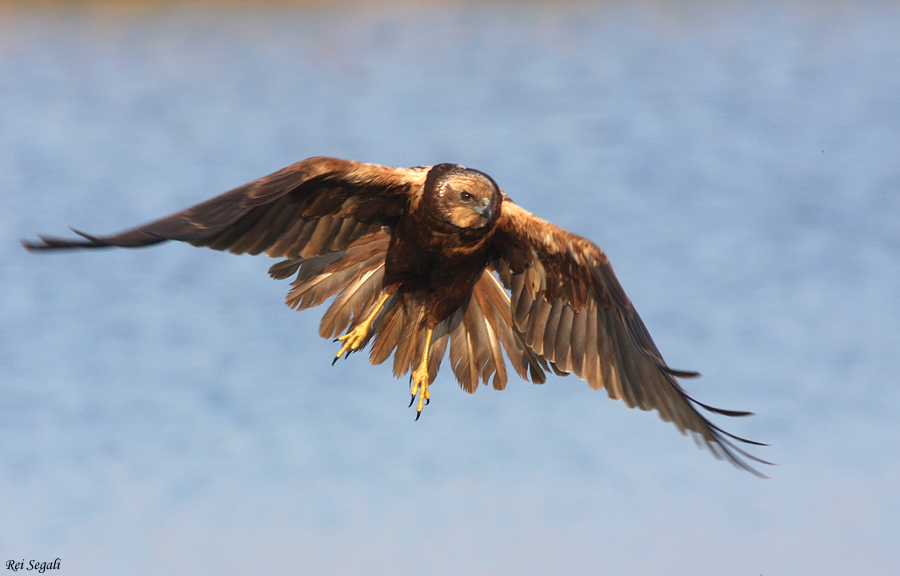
304, 210
570, 309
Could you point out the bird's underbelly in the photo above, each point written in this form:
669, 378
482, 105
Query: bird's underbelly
446, 279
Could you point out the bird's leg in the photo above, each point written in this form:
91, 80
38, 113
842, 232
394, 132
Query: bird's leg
353, 339
419, 378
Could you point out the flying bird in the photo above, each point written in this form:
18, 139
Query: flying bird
425, 258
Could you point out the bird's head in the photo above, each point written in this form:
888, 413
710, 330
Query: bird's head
463, 197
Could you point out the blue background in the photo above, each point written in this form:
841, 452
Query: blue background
162, 412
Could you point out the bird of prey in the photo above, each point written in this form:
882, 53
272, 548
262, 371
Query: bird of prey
425, 258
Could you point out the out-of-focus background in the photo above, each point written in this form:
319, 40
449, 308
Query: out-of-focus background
162, 412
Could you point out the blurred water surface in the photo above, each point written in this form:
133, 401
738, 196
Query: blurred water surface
162, 412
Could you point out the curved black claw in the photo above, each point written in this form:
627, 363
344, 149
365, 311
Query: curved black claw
418, 413
411, 400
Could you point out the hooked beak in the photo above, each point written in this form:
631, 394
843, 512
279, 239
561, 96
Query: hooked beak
484, 209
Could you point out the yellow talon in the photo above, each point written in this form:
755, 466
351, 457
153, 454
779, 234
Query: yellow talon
353, 339
420, 378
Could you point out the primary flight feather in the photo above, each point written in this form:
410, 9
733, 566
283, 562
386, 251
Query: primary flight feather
422, 259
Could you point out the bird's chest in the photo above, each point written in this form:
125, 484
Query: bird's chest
424, 259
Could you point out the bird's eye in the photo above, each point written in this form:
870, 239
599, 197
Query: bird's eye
465, 196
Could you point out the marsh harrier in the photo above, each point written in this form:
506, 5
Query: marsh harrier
422, 259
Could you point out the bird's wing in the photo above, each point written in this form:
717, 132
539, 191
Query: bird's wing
305, 210
571, 310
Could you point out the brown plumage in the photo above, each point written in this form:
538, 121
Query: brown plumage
419, 259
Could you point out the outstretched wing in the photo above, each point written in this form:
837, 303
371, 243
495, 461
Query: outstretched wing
316, 206
571, 310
